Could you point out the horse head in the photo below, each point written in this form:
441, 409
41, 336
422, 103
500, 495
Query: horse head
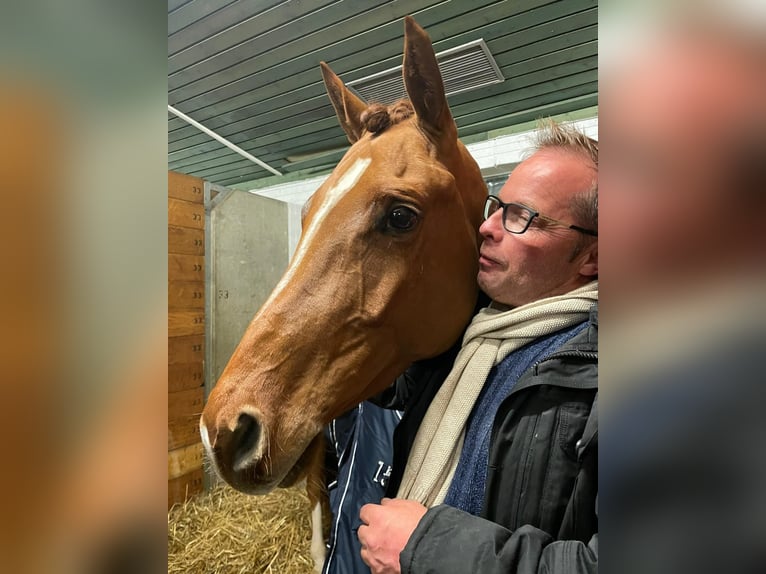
384, 275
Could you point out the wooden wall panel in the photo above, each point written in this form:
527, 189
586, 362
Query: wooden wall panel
186, 295
185, 486
186, 187
186, 214
184, 460
189, 349
186, 267
186, 240
182, 432
185, 376
182, 323
186, 334
186, 403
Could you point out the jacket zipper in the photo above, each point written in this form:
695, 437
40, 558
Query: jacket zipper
525, 475
577, 354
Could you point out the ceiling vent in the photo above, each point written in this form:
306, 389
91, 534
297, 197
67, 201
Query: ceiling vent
463, 68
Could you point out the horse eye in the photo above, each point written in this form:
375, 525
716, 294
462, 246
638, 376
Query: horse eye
402, 218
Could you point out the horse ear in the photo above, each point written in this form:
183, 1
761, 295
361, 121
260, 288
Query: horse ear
348, 106
423, 82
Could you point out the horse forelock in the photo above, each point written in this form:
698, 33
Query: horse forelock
378, 117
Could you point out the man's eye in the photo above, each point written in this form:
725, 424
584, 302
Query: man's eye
402, 218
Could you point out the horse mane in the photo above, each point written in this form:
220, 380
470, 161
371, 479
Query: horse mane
377, 117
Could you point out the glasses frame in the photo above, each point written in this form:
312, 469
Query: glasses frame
533, 213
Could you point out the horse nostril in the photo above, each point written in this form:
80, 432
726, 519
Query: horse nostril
245, 439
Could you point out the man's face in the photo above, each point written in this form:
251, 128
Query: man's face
518, 269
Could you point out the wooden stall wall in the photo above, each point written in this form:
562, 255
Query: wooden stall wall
186, 334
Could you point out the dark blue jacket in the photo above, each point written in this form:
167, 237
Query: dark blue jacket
362, 440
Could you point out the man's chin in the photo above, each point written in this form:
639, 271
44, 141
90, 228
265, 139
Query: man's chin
485, 286
490, 288
484, 280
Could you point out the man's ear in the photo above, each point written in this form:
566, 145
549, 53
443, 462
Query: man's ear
589, 259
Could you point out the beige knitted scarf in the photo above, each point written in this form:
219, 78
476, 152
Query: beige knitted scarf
492, 335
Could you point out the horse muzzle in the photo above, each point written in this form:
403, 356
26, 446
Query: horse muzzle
238, 451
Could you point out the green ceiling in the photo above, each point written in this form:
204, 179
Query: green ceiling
249, 70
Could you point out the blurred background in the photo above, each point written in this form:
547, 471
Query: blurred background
682, 98
83, 180
682, 94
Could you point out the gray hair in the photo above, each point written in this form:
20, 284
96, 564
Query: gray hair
553, 135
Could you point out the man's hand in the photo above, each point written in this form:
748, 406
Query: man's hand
385, 531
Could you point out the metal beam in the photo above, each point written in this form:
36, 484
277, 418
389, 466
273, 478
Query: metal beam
222, 140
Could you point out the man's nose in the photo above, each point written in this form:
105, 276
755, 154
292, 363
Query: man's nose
492, 227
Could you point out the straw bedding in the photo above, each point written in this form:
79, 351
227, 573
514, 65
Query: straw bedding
225, 531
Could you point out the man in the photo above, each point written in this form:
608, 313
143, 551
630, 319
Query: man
501, 457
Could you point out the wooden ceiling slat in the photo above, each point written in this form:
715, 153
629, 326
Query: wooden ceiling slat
560, 107
466, 116
489, 109
531, 114
486, 23
318, 108
192, 12
249, 71
297, 36
498, 109
281, 69
308, 131
563, 36
176, 4
215, 159
241, 165
214, 31
531, 77
513, 69
348, 55
562, 33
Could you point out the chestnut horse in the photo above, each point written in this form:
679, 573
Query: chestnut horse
384, 275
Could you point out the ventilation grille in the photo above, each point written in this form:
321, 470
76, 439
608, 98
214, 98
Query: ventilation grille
463, 68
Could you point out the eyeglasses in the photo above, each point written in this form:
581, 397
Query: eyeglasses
518, 217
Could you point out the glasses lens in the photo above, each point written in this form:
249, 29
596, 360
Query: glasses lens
516, 218
490, 206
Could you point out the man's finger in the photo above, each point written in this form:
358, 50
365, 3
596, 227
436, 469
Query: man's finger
367, 512
361, 534
365, 554
386, 501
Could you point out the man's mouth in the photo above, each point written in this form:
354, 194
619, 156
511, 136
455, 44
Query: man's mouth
486, 261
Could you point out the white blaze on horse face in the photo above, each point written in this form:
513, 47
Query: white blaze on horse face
345, 183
